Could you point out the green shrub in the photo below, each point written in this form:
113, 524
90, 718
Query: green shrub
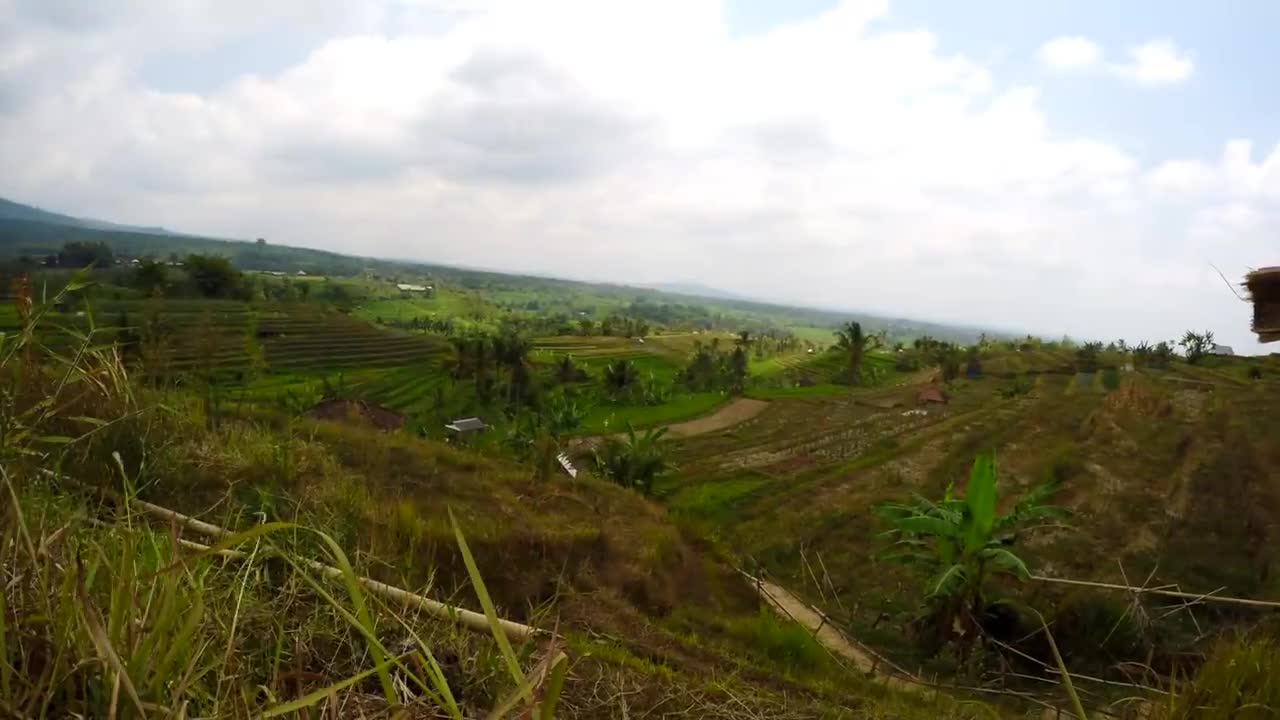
1021, 385
1240, 680
783, 642
1095, 630
1064, 464
1111, 379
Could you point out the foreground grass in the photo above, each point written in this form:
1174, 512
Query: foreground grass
114, 619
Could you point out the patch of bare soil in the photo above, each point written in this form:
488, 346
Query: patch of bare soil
739, 410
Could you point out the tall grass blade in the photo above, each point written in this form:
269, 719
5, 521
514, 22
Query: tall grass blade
98, 634
1067, 684
554, 686
316, 696
352, 581
490, 613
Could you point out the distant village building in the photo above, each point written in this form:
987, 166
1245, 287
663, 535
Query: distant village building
406, 287
466, 426
1222, 350
360, 411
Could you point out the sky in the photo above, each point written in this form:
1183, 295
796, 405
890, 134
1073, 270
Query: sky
1053, 167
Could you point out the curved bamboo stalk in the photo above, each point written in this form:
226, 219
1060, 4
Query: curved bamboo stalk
466, 618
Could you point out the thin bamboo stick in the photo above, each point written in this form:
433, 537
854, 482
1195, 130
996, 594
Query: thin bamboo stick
1208, 597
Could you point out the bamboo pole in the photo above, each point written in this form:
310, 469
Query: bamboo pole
1244, 602
466, 618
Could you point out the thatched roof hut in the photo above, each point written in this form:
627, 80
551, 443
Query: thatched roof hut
932, 396
357, 410
1264, 290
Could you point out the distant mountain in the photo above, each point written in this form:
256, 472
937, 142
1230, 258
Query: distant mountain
10, 210
30, 232
697, 290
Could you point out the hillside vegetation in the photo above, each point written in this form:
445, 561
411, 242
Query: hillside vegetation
650, 466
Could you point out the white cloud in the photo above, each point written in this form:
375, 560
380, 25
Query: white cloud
826, 162
1158, 62
1070, 53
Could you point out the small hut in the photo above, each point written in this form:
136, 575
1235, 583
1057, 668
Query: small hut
360, 411
931, 395
466, 426
1264, 289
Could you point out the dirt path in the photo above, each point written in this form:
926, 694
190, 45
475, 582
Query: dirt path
739, 410
736, 411
781, 601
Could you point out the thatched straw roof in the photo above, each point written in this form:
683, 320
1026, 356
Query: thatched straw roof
931, 395
357, 410
1264, 290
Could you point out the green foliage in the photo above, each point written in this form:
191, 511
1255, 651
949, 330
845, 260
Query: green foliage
78, 254
1064, 464
212, 275
973, 363
566, 371
738, 369
1238, 682
962, 543
634, 461
783, 642
853, 343
949, 360
1111, 379
1142, 355
150, 276
619, 376
1196, 345
1087, 357
1021, 385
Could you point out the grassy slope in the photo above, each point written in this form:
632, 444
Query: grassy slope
647, 612
1138, 465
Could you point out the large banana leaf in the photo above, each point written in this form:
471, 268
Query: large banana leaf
980, 497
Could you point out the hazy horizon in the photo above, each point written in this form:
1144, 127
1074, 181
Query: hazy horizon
1048, 170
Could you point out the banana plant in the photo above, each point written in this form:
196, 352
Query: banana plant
635, 461
963, 543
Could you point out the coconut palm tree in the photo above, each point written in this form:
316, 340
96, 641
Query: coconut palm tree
619, 375
738, 369
851, 341
566, 370
962, 543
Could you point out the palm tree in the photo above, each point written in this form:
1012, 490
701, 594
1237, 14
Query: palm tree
963, 544
634, 461
512, 350
1197, 345
738, 369
619, 375
743, 339
853, 343
566, 371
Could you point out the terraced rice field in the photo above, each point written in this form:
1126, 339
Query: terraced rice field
595, 352
406, 389
277, 349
